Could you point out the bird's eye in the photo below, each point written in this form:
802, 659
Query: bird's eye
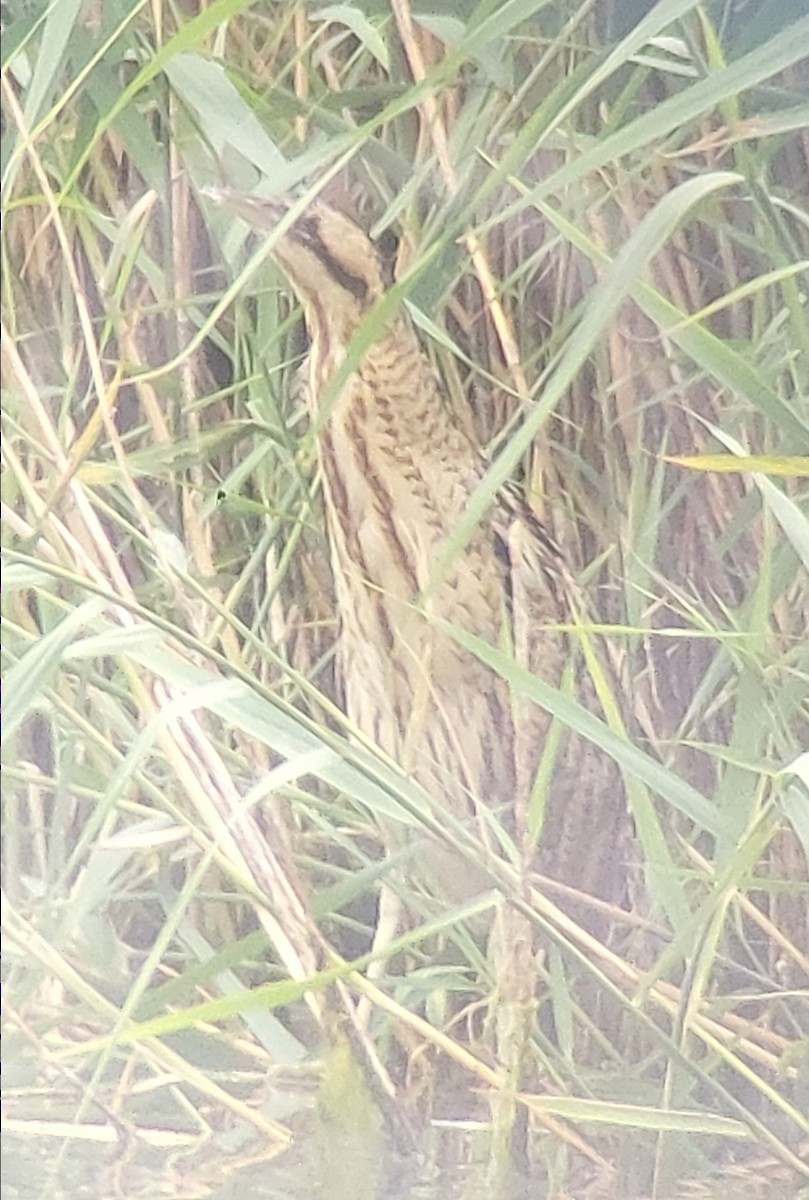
387, 247
387, 244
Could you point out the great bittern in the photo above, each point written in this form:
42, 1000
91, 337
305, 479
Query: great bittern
398, 472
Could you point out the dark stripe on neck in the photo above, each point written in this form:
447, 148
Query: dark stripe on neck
308, 234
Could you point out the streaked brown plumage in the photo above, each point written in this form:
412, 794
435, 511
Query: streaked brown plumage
398, 472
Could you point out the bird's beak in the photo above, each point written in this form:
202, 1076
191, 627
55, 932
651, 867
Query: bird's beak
258, 211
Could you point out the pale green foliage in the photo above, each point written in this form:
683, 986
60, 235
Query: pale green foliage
640, 199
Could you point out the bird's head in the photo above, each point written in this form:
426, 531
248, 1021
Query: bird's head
332, 265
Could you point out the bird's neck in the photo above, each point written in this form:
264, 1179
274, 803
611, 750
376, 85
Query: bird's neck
391, 393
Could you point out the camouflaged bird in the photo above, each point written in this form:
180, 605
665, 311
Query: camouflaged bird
398, 472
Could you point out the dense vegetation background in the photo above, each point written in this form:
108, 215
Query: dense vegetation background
604, 237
